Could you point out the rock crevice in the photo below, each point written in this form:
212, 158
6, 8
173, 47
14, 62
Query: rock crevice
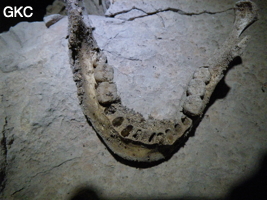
143, 13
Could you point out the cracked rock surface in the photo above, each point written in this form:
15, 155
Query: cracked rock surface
48, 148
149, 53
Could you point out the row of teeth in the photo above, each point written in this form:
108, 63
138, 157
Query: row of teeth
106, 90
194, 104
129, 124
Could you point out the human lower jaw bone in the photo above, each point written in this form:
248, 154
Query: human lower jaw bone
125, 132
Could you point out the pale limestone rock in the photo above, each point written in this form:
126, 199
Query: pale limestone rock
52, 151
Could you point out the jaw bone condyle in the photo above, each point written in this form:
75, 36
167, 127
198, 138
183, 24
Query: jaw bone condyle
125, 132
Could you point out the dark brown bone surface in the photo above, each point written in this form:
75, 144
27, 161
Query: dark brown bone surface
125, 132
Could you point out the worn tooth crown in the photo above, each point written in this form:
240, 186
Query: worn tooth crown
125, 132
196, 87
106, 93
103, 72
203, 74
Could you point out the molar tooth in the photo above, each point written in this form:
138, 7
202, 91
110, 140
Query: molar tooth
103, 73
193, 105
203, 74
196, 87
107, 93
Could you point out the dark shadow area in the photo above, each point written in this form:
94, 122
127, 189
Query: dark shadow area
253, 188
84, 193
39, 10
222, 89
87, 193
